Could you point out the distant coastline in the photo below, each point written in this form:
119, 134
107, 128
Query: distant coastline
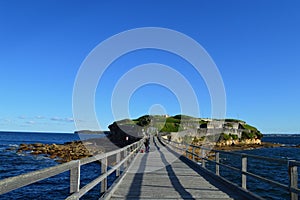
281, 135
91, 132
37, 132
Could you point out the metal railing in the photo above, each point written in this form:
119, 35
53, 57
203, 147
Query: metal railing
123, 158
200, 153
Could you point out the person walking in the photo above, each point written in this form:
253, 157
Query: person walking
147, 144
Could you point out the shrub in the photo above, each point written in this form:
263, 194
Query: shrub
224, 136
233, 136
144, 120
247, 135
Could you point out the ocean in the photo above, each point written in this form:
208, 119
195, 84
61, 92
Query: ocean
57, 187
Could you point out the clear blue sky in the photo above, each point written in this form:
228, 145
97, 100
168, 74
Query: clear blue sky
255, 44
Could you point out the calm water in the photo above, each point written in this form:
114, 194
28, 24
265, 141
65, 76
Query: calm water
57, 187
264, 168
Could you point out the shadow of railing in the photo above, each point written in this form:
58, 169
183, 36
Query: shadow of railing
184, 194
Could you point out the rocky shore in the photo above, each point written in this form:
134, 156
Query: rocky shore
61, 152
81, 149
77, 149
242, 146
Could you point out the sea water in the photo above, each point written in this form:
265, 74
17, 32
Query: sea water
57, 187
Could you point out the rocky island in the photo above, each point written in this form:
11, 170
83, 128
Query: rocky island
227, 134
186, 129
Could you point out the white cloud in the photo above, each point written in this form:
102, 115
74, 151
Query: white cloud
70, 119
60, 119
40, 117
56, 118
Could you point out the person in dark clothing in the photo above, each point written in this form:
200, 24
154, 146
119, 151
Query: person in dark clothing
147, 144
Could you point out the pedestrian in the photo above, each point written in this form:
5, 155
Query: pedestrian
147, 144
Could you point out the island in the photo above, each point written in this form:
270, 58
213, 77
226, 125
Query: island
223, 134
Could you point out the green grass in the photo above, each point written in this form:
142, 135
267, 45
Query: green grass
248, 127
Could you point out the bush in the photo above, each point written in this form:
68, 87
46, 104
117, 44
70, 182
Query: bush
233, 136
224, 136
144, 120
247, 135
170, 127
259, 135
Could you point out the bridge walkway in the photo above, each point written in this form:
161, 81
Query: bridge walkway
164, 174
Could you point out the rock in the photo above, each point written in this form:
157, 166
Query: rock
53, 156
37, 145
65, 152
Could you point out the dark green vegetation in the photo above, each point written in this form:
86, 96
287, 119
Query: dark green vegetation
225, 136
182, 122
251, 132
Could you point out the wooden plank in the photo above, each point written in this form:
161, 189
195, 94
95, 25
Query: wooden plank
12, 183
293, 172
75, 177
104, 171
203, 157
193, 154
118, 158
161, 171
125, 155
217, 163
96, 181
244, 169
16, 182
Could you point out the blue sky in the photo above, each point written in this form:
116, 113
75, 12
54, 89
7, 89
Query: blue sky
255, 45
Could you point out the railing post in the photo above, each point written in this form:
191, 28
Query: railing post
193, 156
118, 158
217, 162
125, 155
186, 150
244, 169
293, 173
128, 151
203, 156
103, 171
75, 177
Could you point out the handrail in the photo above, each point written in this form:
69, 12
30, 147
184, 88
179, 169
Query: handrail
13, 183
292, 165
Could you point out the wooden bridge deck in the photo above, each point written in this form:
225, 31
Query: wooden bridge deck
162, 174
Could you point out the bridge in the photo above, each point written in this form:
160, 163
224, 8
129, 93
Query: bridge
169, 171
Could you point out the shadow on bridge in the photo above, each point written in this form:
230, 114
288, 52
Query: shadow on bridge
212, 180
174, 180
157, 175
136, 185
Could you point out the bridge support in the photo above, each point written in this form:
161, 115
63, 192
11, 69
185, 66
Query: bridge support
244, 169
118, 159
75, 177
193, 154
203, 156
293, 172
104, 171
125, 153
217, 162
